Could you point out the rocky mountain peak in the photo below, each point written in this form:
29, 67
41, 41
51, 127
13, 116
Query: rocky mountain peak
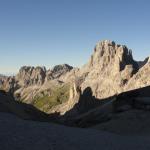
58, 70
110, 67
62, 68
29, 75
142, 63
109, 53
7, 83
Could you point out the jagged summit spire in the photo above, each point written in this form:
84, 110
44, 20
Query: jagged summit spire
107, 52
106, 42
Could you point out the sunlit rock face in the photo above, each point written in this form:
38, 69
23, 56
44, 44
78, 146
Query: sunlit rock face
34, 82
141, 78
109, 69
31, 75
106, 74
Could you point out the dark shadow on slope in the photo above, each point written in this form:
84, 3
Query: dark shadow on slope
90, 110
131, 114
25, 111
138, 99
87, 105
87, 102
87, 112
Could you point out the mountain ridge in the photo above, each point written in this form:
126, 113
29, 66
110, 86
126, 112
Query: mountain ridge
110, 70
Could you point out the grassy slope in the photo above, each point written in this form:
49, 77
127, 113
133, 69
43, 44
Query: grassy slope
58, 96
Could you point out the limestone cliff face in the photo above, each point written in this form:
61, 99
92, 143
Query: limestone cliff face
33, 82
28, 75
31, 75
106, 74
108, 52
141, 78
109, 69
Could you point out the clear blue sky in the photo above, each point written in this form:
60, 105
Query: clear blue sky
50, 32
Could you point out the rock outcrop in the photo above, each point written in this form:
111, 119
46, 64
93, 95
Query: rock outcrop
141, 78
110, 71
8, 84
142, 63
57, 71
110, 67
28, 75
34, 82
31, 75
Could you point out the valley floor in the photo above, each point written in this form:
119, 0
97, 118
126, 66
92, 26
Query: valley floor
18, 134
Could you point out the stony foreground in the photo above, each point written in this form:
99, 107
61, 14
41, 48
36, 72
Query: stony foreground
18, 134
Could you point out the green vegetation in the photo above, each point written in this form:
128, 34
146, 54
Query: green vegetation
1, 89
59, 95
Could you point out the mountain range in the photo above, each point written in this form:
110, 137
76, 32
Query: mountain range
111, 93
111, 70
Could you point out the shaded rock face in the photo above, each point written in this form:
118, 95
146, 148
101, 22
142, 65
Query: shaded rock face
58, 71
142, 63
22, 110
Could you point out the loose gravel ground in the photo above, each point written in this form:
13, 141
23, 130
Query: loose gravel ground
18, 134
